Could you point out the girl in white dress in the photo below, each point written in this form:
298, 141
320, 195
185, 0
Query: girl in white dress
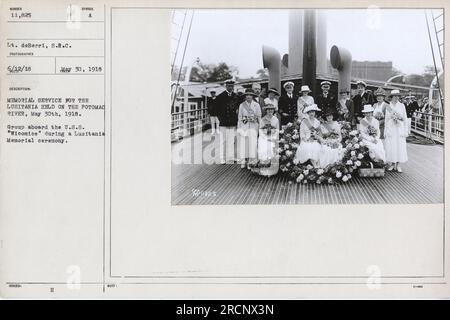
370, 132
332, 150
303, 101
267, 142
310, 137
380, 109
247, 128
395, 133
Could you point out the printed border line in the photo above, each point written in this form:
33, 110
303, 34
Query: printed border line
199, 277
219, 283
104, 148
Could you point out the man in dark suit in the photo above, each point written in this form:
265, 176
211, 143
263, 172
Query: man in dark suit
326, 101
362, 98
259, 98
211, 106
287, 104
227, 105
411, 106
345, 108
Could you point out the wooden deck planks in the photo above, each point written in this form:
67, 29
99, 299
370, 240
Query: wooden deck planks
421, 182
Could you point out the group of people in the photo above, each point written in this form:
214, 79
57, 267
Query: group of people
254, 122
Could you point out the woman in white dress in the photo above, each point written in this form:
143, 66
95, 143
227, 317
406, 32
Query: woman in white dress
247, 128
380, 109
303, 101
267, 142
395, 133
310, 137
332, 150
272, 99
370, 132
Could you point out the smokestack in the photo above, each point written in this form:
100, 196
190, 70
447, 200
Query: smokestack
295, 60
341, 59
309, 50
272, 61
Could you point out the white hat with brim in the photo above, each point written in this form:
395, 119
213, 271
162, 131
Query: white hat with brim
367, 108
325, 83
395, 92
289, 83
305, 89
312, 107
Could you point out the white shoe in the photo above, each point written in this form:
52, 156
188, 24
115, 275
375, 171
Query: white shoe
390, 168
223, 162
399, 169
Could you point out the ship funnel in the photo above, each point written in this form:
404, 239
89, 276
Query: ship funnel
341, 59
272, 61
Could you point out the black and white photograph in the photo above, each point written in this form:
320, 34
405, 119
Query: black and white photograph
307, 106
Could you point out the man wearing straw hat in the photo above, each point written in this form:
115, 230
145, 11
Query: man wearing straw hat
258, 94
287, 104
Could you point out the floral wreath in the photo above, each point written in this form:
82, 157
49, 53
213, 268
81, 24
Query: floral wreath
356, 156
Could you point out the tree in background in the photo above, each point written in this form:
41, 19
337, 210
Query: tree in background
262, 74
423, 79
212, 72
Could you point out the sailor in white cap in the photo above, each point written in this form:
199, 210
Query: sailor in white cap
326, 101
227, 104
303, 101
361, 98
287, 84
370, 131
310, 138
287, 104
395, 132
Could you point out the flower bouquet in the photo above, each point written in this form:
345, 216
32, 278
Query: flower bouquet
268, 128
246, 119
372, 131
396, 117
316, 134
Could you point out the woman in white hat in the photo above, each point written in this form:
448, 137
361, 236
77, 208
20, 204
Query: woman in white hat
267, 142
303, 101
380, 109
272, 99
248, 124
395, 133
310, 137
370, 132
